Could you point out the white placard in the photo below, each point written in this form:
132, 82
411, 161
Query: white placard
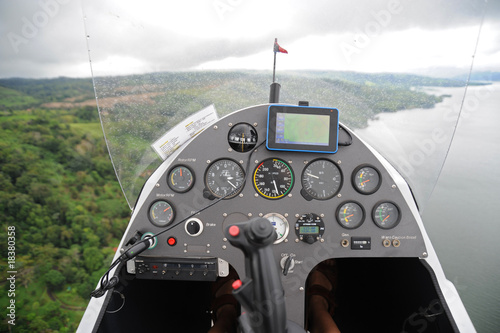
184, 131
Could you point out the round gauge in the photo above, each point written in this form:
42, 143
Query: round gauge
161, 213
386, 215
280, 224
242, 137
273, 178
321, 179
366, 180
180, 179
224, 178
350, 215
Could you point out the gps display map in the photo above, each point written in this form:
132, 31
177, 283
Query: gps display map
305, 129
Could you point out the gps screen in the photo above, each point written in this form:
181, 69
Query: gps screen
301, 128
307, 129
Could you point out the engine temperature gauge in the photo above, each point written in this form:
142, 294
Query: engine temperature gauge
366, 179
386, 215
280, 224
350, 215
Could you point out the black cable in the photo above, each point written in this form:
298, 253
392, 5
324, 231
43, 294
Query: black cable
140, 246
348, 143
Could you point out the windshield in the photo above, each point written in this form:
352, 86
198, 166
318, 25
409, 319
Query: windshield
403, 75
154, 65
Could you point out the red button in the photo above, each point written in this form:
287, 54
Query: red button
236, 284
172, 241
234, 230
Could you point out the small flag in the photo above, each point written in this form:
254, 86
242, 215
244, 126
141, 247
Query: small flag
278, 48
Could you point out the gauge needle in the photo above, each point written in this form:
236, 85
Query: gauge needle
166, 209
312, 175
231, 184
275, 187
362, 183
386, 218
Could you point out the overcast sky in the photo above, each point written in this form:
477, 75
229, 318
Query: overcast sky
47, 38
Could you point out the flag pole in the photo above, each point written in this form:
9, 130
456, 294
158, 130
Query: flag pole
274, 95
274, 65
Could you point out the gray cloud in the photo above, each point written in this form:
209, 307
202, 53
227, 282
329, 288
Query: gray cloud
45, 38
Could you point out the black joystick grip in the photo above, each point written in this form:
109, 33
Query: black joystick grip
261, 292
262, 232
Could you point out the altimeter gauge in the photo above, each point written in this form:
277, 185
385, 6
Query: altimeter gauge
224, 178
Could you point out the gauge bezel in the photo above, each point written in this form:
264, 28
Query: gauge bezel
286, 192
248, 149
341, 178
171, 186
287, 227
217, 195
353, 179
375, 209
151, 219
362, 211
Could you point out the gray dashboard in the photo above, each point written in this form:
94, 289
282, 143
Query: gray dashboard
352, 220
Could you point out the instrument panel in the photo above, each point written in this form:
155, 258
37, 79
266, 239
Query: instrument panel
322, 205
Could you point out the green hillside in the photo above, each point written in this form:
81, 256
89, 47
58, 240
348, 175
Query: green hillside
59, 192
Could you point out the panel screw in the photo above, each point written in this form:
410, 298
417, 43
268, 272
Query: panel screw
157, 185
394, 186
215, 127
255, 124
230, 124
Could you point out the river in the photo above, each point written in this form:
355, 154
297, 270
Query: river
460, 212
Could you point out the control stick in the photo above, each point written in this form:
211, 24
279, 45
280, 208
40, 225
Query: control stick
261, 292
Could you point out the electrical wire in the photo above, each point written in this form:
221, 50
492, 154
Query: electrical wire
464, 96
105, 283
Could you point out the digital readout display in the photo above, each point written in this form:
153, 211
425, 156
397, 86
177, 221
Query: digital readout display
309, 229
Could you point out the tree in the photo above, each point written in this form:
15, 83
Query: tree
54, 279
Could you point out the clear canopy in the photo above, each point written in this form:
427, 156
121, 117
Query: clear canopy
402, 74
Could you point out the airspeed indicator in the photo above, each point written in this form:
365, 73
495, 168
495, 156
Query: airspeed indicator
273, 179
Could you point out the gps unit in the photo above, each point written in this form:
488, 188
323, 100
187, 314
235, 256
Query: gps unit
302, 128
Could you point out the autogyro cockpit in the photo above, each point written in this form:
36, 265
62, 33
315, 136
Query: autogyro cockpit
327, 194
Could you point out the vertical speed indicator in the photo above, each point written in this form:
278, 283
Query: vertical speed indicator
273, 178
